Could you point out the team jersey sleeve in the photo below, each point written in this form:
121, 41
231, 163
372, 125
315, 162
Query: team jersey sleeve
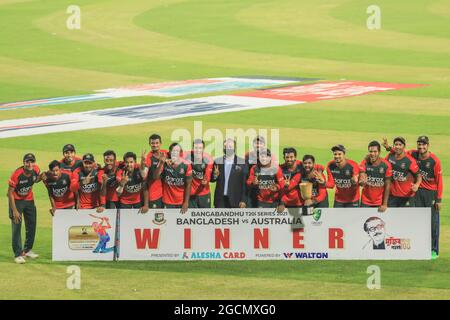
413, 167
362, 166
251, 176
319, 167
355, 168
148, 160
389, 169
37, 170
280, 179
74, 181
209, 169
100, 176
188, 170
330, 180
295, 180
119, 174
13, 180
438, 175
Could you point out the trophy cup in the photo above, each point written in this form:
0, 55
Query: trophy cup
306, 192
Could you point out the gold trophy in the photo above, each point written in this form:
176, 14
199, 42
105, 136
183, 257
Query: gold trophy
306, 192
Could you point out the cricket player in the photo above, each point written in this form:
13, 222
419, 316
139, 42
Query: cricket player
406, 178
131, 180
59, 186
21, 203
375, 178
291, 169
70, 162
268, 181
202, 167
176, 176
88, 181
153, 192
430, 190
251, 159
429, 194
343, 174
109, 181
312, 172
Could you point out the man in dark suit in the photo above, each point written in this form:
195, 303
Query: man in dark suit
230, 174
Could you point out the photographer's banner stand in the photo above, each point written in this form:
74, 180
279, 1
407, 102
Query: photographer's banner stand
264, 234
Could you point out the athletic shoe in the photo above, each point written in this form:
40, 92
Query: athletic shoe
31, 254
434, 255
20, 260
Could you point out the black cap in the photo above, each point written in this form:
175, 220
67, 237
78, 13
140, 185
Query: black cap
401, 139
423, 139
338, 147
89, 157
68, 147
29, 157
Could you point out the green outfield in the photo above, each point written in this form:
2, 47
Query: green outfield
142, 41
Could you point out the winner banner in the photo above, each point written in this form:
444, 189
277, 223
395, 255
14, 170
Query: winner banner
263, 234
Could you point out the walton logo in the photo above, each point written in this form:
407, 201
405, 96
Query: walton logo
306, 255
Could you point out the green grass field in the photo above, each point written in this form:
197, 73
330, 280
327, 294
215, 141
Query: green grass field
141, 41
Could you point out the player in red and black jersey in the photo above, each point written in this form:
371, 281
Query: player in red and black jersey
251, 159
268, 181
202, 167
431, 188
343, 174
59, 187
290, 194
88, 181
312, 172
70, 162
176, 176
154, 188
109, 181
406, 177
131, 181
375, 178
21, 202
429, 194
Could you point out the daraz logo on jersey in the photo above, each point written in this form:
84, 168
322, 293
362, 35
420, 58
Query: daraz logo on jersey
174, 181
24, 191
58, 193
89, 188
133, 188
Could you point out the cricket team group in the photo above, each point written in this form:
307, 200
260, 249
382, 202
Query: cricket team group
176, 178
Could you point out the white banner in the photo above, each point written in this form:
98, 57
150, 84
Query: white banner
262, 234
84, 235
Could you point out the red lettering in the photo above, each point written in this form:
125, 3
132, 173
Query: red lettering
222, 238
335, 238
261, 239
147, 237
187, 238
297, 238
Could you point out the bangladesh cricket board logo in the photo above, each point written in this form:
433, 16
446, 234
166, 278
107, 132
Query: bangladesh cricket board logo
317, 214
159, 218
